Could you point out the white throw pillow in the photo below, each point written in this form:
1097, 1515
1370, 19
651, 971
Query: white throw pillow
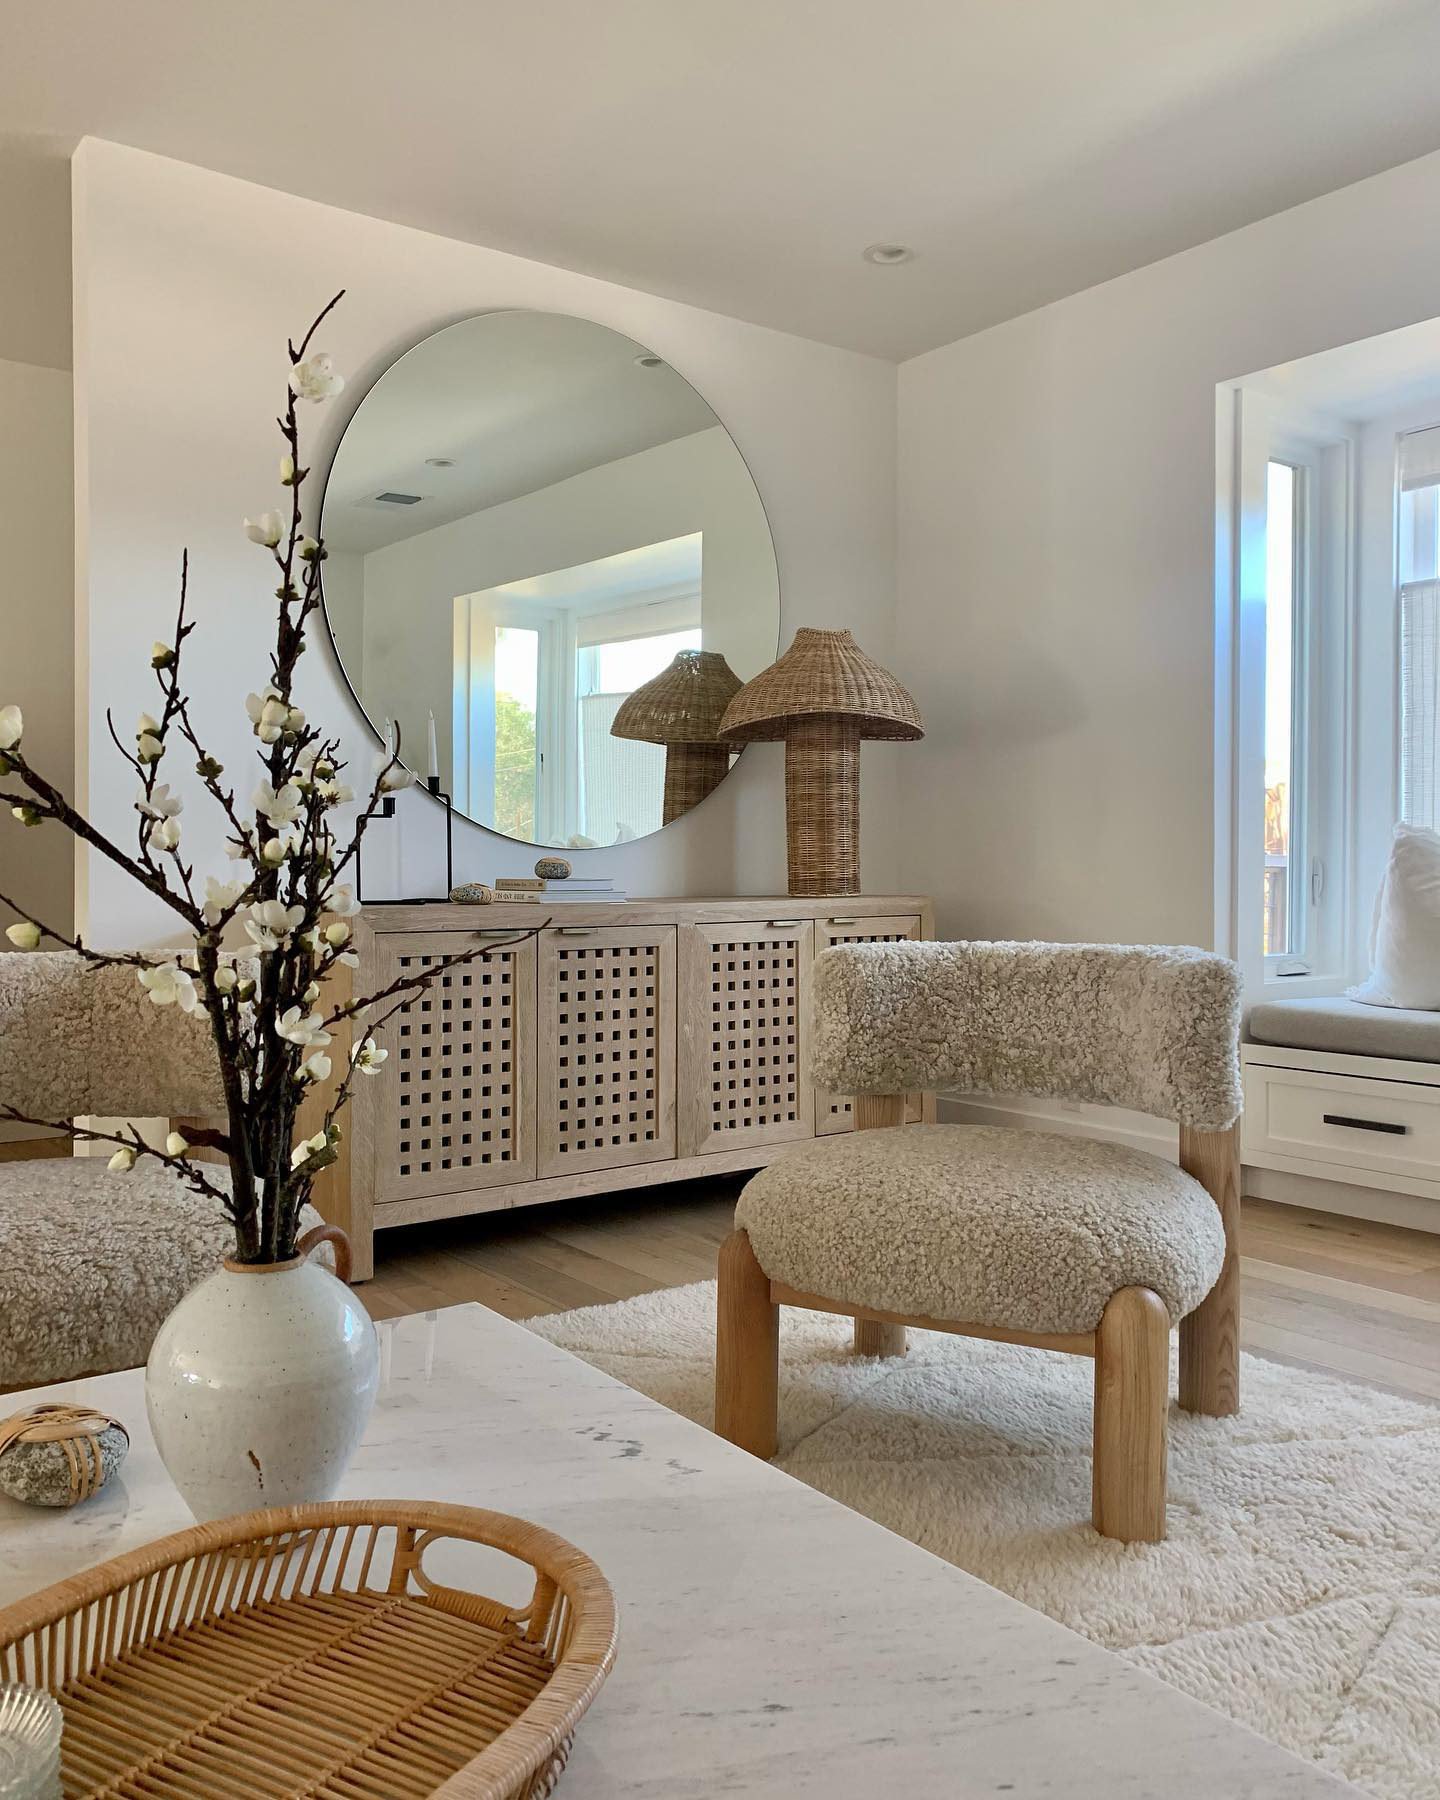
1405, 942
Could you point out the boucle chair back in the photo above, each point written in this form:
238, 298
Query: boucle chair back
1148, 1027
77, 1039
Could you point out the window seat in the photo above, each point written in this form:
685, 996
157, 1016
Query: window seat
1347, 1028
1342, 1109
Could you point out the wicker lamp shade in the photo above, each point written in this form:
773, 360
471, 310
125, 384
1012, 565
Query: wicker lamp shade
822, 697
681, 708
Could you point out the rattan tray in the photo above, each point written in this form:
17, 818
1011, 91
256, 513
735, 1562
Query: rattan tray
305, 1650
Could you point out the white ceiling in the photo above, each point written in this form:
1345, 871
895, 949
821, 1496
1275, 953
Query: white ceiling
516, 401
740, 154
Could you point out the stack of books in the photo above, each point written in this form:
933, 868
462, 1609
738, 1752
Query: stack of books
596, 889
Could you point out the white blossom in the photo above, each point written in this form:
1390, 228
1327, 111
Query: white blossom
161, 655
393, 776
338, 934
175, 1145
169, 985
225, 979
220, 896
282, 808
274, 850
271, 922
165, 834
287, 470
341, 901
302, 1152
334, 793
315, 378
122, 1162
316, 1067
12, 726
149, 748
23, 936
367, 1056
268, 529
308, 549
301, 1028
160, 803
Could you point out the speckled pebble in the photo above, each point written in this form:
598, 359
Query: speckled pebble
553, 868
472, 893
39, 1474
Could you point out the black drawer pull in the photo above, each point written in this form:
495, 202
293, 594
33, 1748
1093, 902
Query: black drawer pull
1365, 1124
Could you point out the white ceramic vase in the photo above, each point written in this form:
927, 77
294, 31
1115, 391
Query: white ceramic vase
260, 1384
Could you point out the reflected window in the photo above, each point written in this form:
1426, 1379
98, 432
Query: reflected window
517, 696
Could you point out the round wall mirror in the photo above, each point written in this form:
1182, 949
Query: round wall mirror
549, 567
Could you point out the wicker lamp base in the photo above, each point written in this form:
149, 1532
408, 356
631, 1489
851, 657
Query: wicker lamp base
691, 771
822, 805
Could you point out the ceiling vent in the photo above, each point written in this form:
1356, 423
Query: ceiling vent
389, 499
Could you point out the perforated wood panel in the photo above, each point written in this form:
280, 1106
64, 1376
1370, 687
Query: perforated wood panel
607, 1054
457, 1106
744, 1034
834, 1112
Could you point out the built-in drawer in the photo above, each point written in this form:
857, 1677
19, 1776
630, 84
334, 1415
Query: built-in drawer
1389, 1127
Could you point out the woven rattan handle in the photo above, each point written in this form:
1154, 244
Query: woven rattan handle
328, 1234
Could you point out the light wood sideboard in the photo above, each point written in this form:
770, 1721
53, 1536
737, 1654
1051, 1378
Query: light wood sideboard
624, 1044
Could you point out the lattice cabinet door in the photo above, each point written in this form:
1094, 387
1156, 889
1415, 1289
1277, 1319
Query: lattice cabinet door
455, 1104
606, 1089
834, 1112
744, 1026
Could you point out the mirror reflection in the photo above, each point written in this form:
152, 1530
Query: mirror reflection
547, 564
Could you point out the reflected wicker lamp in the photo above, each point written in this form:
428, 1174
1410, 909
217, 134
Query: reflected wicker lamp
822, 697
681, 708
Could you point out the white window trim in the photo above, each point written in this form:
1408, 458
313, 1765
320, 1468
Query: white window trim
1261, 431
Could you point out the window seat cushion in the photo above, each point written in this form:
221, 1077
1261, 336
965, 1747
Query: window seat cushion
1347, 1027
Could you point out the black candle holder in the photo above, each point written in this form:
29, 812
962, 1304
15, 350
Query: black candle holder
387, 811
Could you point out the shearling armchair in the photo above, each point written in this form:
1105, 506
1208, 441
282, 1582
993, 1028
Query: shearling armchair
91, 1263
1030, 1237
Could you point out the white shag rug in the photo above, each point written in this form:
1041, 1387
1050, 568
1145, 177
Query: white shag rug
1299, 1587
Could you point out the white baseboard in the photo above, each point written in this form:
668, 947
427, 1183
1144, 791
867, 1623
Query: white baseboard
1342, 1197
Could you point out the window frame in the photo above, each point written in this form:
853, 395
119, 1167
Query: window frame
1322, 825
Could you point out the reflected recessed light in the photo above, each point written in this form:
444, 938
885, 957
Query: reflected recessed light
887, 254
439, 462
649, 361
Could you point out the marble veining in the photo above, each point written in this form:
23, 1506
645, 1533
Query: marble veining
772, 1642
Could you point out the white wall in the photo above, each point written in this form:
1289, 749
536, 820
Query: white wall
187, 285
37, 638
1057, 540
690, 484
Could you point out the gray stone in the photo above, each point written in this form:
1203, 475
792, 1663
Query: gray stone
553, 868
472, 893
39, 1474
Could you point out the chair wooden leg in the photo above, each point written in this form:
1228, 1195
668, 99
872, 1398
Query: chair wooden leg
874, 1337
1132, 1381
747, 1351
1210, 1336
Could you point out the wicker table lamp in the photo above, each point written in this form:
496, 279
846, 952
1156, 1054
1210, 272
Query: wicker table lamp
822, 697
681, 708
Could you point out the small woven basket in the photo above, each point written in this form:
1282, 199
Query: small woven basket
305, 1650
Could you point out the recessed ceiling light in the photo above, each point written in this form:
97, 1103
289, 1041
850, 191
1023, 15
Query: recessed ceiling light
649, 361
886, 255
439, 462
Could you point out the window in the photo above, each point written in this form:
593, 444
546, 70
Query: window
1292, 753
1286, 605
517, 697
1417, 562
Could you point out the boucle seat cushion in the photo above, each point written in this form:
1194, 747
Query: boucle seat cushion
1348, 1028
91, 1263
983, 1225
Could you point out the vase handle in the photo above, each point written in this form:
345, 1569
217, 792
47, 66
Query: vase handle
328, 1234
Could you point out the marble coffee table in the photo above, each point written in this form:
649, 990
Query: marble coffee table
771, 1641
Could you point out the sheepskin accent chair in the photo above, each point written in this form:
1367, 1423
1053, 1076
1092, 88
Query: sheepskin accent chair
91, 1263
1029, 1237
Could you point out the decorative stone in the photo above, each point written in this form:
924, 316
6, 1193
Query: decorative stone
59, 1454
472, 893
553, 868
